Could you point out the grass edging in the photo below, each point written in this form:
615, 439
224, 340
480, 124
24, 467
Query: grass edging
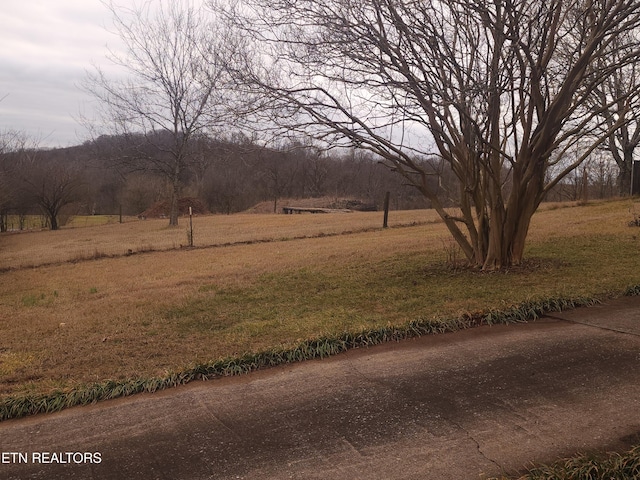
17, 406
612, 466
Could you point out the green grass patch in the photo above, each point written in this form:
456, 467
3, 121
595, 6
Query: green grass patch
291, 306
28, 222
39, 300
38, 222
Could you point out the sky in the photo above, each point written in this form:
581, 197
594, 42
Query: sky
46, 48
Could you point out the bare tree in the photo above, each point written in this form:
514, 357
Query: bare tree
5, 180
617, 100
6, 188
174, 90
13, 145
606, 175
494, 89
50, 184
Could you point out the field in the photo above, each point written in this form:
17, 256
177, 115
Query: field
125, 301
28, 249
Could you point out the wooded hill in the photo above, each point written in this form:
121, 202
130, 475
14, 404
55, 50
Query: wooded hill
226, 176
117, 174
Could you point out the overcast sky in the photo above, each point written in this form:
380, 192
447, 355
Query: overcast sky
45, 48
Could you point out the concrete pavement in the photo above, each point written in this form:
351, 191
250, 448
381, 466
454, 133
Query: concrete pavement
457, 406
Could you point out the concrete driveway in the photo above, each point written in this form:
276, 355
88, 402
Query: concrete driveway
456, 406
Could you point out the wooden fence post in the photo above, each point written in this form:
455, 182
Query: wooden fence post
385, 223
190, 227
635, 178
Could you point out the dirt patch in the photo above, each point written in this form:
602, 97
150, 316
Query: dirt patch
161, 209
528, 265
320, 202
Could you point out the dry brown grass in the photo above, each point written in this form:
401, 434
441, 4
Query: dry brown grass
66, 317
28, 249
143, 315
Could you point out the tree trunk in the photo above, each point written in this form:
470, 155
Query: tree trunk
519, 231
624, 176
175, 196
507, 239
173, 209
495, 258
53, 220
502, 228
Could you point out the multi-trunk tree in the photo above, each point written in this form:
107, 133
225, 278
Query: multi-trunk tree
498, 90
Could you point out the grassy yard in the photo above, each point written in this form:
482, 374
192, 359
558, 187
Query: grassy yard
267, 281
96, 240
39, 222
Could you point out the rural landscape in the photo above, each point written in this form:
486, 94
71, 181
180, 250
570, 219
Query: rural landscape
126, 301
264, 183
97, 312
254, 282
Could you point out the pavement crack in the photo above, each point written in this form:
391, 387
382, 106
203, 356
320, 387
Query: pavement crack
479, 449
477, 444
351, 446
376, 380
215, 417
594, 325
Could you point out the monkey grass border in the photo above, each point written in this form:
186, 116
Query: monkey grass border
612, 465
24, 405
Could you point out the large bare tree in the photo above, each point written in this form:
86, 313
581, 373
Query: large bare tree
173, 88
495, 89
617, 100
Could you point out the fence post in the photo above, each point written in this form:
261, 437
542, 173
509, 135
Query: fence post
385, 222
190, 227
635, 178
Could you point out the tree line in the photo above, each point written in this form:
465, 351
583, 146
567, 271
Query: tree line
229, 176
